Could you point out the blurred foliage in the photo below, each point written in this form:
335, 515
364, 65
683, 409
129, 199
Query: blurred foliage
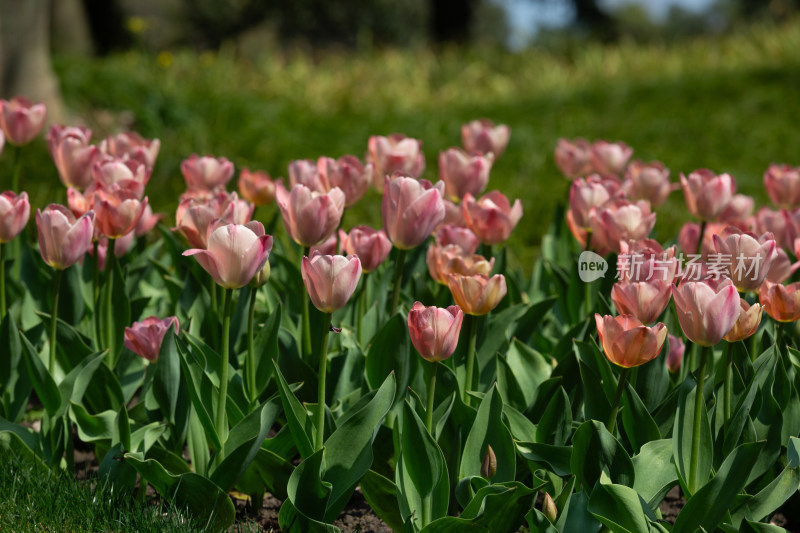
727, 104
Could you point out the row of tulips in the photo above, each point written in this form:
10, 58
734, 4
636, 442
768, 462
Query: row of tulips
287, 368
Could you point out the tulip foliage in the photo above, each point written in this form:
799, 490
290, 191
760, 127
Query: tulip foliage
256, 344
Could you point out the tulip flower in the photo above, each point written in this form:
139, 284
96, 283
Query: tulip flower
15, 210
81, 203
126, 174
347, 173
326, 247
395, 154
453, 215
147, 221
781, 302
131, 145
646, 260
117, 211
610, 158
586, 195
2, 141
574, 157
783, 185
782, 268
370, 245
780, 223
256, 187
434, 330
707, 194
330, 280
747, 323
144, 338
310, 217
482, 136
706, 312
411, 209
645, 300
304, 171
621, 220
460, 236
739, 211
63, 239
206, 172
648, 181
235, 253
746, 258
492, 218
21, 120
464, 265
73, 155
675, 355
463, 173
627, 343
689, 237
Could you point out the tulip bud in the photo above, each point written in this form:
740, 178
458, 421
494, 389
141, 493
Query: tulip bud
747, 323
206, 172
482, 136
63, 239
675, 354
261, 277
492, 218
411, 209
395, 153
648, 181
304, 171
21, 120
549, 509
707, 194
781, 302
463, 173
477, 295
310, 217
14, 214
370, 245
573, 157
330, 280
610, 158
256, 187
706, 311
489, 464
434, 331
627, 342
347, 173
783, 185
145, 338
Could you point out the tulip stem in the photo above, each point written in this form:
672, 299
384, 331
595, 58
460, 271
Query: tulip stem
361, 307
306, 318
398, 279
221, 423
728, 382
54, 321
97, 303
323, 369
2, 281
700, 240
212, 292
431, 390
110, 267
251, 349
472, 332
699, 411
612, 420
17, 167
588, 240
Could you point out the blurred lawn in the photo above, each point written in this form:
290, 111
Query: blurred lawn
731, 105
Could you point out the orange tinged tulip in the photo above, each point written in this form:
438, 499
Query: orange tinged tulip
477, 295
434, 331
747, 323
492, 218
781, 302
627, 342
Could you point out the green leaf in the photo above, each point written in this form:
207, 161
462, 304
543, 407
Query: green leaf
92, 428
266, 349
167, 376
306, 490
655, 471
267, 471
519, 425
771, 497
381, 495
757, 527
595, 451
196, 493
19, 438
42, 381
489, 429
555, 427
639, 425
390, 352
709, 505
619, 508
528, 368
300, 424
556, 457
74, 384
122, 430
120, 312
201, 391
682, 434
16, 383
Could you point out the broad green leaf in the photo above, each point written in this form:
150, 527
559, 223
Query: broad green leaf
708, 506
16, 383
300, 423
528, 367
381, 495
196, 493
172, 463
489, 429
198, 445
17, 437
619, 508
267, 471
655, 471
639, 425
92, 428
758, 527
771, 497
556, 457
390, 352
596, 405
74, 384
167, 376
522, 429
555, 426
682, 435
307, 492
595, 451
201, 397
42, 381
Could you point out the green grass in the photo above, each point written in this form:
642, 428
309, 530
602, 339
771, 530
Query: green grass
729, 104
33, 499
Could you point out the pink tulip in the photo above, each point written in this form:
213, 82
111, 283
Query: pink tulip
782, 268
14, 214
621, 220
395, 153
781, 302
81, 203
482, 136
127, 174
581, 235
464, 265
304, 171
747, 323
326, 247
347, 173
707, 194
411, 209
117, 211
462, 237
627, 342
477, 295
783, 185
690, 234
747, 258
235, 253
779, 223
63, 239
706, 311
147, 221
21, 120
196, 218
574, 157
434, 331
645, 300
256, 187
145, 338
310, 217
206, 172
610, 158
131, 145
739, 210
675, 355
330, 280
646, 260
73, 155
370, 245
492, 218
453, 215
2, 141
648, 181
586, 195
463, 173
